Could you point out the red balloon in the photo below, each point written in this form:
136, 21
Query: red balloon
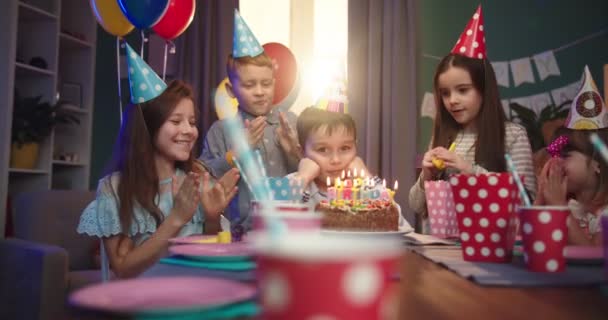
176, 19
285, 73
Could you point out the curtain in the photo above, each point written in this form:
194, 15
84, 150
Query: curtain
202, 51
382, 89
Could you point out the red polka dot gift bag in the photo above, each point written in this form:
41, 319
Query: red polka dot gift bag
308, 276
485, 207
441, 209
545, 234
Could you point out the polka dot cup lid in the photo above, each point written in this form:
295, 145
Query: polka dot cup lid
244, 43
545, 234
588, 111
312, 277
312, 246
472, 41
144, 83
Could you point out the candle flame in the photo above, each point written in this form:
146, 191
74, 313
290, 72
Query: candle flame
343, 174
338, 182
396, 185
384, 183
355, 173
362, 173
348, 174
328, 181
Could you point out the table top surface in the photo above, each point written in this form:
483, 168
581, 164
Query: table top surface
430, 291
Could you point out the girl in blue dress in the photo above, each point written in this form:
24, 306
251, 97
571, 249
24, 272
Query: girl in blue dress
155, 189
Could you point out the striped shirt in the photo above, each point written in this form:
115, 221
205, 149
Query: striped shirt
516, 144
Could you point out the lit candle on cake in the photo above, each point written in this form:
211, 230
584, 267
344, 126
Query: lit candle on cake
391, 193
384, 192
374, 194
331, 192
358, 182
347, 193
348, 182
356, 193
338, 187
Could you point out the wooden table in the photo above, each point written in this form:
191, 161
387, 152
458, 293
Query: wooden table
430, 291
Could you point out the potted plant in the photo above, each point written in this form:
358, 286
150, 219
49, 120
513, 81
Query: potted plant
540, 128
33, 121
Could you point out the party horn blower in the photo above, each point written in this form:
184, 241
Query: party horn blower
438, 162
520, 185
249, 166
599, 145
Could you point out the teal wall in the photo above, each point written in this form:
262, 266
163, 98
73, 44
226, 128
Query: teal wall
515, 29
106, 115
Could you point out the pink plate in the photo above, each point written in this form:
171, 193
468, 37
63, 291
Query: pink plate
195, 239
161, 294
214, 251
584, 254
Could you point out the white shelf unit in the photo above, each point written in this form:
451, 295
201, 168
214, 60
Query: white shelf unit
63, 34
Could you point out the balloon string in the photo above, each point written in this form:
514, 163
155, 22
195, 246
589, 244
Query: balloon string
165, 61
119, 77
143, 41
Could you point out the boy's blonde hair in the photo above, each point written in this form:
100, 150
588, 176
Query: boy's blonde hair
232, 64
312, 119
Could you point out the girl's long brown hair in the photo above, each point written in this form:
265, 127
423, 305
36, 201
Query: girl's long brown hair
134, 151
490, 121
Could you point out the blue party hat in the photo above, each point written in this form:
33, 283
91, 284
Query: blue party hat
244, 43
145, 84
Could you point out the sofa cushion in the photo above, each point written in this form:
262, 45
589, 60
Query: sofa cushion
51, 217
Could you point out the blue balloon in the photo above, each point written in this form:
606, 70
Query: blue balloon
143, 14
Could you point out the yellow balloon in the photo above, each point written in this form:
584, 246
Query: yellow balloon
221, 94
110, 17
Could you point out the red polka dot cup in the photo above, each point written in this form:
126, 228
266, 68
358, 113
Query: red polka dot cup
545, 235
308, 276
296, 216
441, 209
485, 207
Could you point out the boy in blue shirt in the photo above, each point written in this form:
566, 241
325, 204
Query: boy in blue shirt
251, 82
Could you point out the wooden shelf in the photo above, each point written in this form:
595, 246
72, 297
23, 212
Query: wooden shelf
30, 12
27, 171
25, 70
71, 42
75, 109
67, 163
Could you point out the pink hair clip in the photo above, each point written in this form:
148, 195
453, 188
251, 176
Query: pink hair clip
556, 146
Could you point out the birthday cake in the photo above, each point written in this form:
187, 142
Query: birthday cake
376, 215
360, 205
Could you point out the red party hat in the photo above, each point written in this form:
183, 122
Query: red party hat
472, 41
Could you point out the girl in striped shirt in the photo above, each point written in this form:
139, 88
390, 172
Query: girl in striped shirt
470, 116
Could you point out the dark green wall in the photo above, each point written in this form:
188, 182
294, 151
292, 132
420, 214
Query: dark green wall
516, 29
106, 115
